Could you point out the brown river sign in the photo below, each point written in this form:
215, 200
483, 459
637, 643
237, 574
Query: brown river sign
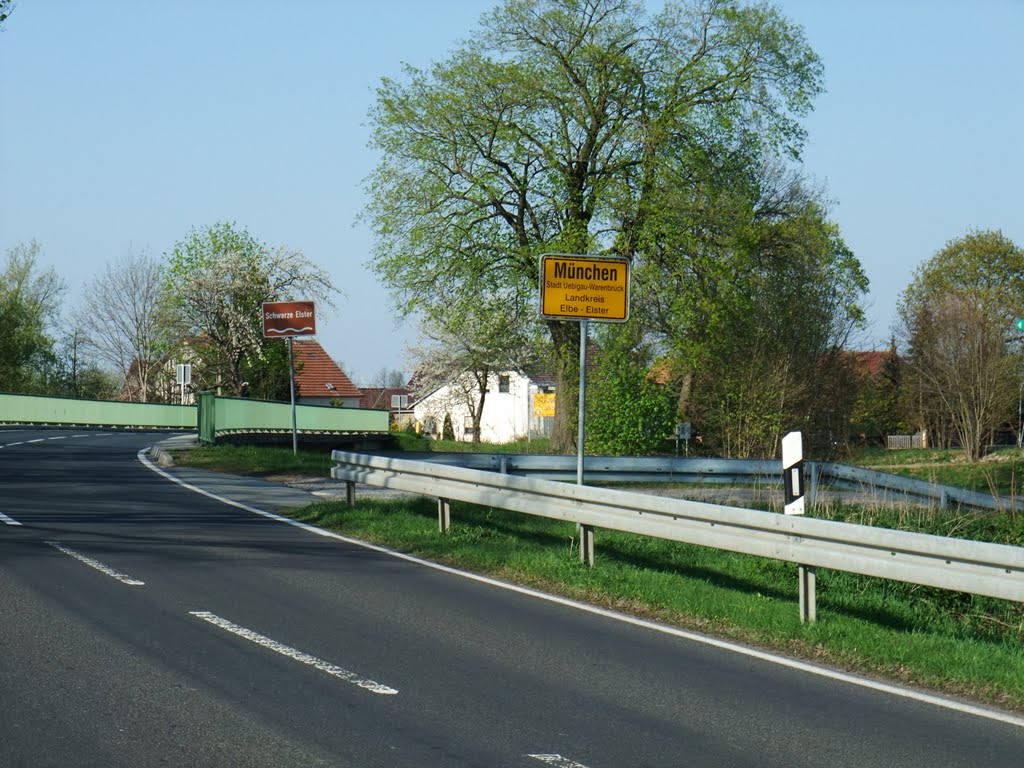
282, 319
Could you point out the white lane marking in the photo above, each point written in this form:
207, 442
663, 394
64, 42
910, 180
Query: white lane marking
561, 762
123, 578
725, 645
8, 520
292, 653
59, 437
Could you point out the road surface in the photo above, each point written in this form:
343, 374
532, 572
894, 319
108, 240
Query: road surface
145, 624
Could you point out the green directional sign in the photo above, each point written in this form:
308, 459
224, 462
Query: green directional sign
1020, 325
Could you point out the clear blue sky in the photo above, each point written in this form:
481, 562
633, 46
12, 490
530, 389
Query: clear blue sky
124, 123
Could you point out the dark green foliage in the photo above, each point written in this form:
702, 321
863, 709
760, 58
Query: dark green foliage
629, 412
29, 303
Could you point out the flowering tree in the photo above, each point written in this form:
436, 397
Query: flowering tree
215, 282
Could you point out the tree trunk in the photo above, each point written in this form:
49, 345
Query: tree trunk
565, 337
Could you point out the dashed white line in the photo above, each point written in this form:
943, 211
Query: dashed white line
12, 444
8, 520
558, 760
123, 578
292, 653
38, 440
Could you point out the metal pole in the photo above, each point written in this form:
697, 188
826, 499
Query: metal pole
581, 434
291, 382
586, 531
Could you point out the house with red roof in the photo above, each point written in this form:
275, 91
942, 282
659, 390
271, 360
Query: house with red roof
319, 380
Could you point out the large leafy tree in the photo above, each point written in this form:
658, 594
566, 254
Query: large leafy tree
551, 130
214, 283
957, 319
29, 305
752, 291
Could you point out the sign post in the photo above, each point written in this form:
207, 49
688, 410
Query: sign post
288, 319
584, 288
184, 377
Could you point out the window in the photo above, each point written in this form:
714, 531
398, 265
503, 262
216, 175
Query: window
503, 382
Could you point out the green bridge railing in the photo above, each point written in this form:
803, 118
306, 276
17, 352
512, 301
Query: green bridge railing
214, 415
37, 409
226, 415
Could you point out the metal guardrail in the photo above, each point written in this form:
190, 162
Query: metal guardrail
883, 487
889, 488
993, 570
609, 468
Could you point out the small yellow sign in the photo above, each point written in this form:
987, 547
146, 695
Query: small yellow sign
584, 288
543, 404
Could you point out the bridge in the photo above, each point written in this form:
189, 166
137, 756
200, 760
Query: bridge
215, 418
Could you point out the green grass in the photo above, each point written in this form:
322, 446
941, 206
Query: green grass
1000, 473
256, 460
408, 441
954, 642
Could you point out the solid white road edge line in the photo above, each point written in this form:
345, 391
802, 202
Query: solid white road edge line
292, 653
123, 578
782, 661
8, 520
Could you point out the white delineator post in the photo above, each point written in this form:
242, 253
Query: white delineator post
793, 485
793, 472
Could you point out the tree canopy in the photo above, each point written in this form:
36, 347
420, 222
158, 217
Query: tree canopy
215, 281
29, 305
957, 319
557, 128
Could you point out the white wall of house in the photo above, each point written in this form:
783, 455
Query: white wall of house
505, 417
345, 402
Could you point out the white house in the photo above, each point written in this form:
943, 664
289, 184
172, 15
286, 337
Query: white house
512, 410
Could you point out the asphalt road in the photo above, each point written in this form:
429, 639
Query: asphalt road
145, 624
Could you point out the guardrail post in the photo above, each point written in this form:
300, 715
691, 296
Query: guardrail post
503, 465
350, 493
808, 594
444, 514
587, 544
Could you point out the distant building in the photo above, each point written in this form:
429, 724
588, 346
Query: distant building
397, 400
319, 380
517, 406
